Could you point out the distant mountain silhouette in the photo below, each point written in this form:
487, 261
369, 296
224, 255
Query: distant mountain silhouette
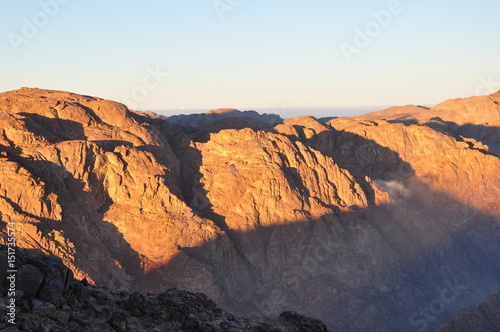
203, 119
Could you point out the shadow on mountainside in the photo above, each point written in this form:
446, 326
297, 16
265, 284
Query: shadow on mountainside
82, 217
360, 156
53, 129
481, 133
359, 271
195, 196
406, 265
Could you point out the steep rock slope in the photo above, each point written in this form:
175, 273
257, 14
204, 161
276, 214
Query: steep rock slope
362, 223
486, 317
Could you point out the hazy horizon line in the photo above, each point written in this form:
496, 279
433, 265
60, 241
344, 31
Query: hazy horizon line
287, 112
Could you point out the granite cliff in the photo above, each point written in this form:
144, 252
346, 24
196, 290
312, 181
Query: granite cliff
364, 223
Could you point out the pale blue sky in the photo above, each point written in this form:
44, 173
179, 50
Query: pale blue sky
272, 53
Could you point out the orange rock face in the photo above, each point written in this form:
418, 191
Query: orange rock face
359, 222
95, 172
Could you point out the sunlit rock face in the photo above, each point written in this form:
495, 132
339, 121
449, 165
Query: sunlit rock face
383, 222
475, 118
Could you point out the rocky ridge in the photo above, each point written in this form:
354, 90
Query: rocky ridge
359, 222
475, 118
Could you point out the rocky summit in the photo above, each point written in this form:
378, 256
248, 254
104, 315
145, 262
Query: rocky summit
384, 222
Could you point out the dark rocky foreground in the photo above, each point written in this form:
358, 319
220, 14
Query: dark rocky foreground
48, 298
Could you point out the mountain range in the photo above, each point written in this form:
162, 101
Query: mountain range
388, 221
